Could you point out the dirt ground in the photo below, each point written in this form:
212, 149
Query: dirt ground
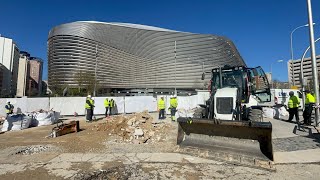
29, 154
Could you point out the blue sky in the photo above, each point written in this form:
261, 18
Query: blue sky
260, 29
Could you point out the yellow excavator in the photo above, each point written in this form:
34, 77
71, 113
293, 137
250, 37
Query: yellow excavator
231, 120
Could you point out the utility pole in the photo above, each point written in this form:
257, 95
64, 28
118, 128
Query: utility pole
314, 62
175, 68
95, 72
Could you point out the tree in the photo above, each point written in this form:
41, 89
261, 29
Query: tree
280, 85
86, 82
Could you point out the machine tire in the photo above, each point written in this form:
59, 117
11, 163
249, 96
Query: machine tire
255, 115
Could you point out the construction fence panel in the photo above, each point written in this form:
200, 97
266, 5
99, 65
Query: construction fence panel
18, 103
99, 105
34, 104
126, 104
68, 105
140, 103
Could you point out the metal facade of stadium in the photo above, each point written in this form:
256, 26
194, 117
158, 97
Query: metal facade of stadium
135, 56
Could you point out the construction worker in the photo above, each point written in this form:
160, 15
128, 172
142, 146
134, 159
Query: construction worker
293, 105
89, 108
173, 107
111, 104
107, 106
161, 107
310, 100
9, 108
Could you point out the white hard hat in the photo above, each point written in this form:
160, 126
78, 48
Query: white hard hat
89, 96
8, 101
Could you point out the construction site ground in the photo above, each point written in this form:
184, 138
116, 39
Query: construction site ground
114, 148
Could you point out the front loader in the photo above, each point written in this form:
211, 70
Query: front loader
231, 120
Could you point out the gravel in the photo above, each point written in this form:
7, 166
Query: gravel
29, 150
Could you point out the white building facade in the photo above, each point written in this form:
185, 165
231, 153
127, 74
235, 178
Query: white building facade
22, 74
9, 59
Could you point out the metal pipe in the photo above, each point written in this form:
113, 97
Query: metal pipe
220, 75
314, 62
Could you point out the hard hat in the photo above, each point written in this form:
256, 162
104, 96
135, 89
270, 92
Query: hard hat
89, 96
291, 93
307, 91
8, 101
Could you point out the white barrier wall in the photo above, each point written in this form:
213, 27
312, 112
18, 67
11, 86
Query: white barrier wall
140, 103
99, 104
127, 104
68, 105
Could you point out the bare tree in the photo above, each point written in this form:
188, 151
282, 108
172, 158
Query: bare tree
86, 81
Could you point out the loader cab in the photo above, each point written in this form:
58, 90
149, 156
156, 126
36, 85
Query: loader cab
249, 81
258, 84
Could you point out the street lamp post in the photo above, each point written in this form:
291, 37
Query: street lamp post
291, 48
95, 72
175, 68
279, 61
314, 62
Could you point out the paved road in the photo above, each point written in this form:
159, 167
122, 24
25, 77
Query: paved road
292, 145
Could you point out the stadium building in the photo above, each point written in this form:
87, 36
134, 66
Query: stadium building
132, 57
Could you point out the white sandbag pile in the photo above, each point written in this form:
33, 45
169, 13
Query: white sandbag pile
43, 118
268, 112
16, 122
185, 112
281, 113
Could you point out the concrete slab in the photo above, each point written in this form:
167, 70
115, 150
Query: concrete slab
302, 156
281, 129
130, 158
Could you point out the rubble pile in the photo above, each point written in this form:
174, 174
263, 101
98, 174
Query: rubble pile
137, 128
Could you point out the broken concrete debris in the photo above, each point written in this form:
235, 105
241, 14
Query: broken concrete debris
138, 133
137, 128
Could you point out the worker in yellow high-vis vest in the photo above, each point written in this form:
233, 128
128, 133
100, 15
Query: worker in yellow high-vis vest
310, 101
293, 105
107, 106
9, 108
173, 107
89, 105
161, 107
112, 105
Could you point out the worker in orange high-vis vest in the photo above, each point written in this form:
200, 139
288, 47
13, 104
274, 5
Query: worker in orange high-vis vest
161, 107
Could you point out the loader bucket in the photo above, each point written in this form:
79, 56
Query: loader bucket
235, 130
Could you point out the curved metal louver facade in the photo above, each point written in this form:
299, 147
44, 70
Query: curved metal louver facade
135, 56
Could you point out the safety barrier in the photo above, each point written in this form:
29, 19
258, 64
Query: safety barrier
124, 104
